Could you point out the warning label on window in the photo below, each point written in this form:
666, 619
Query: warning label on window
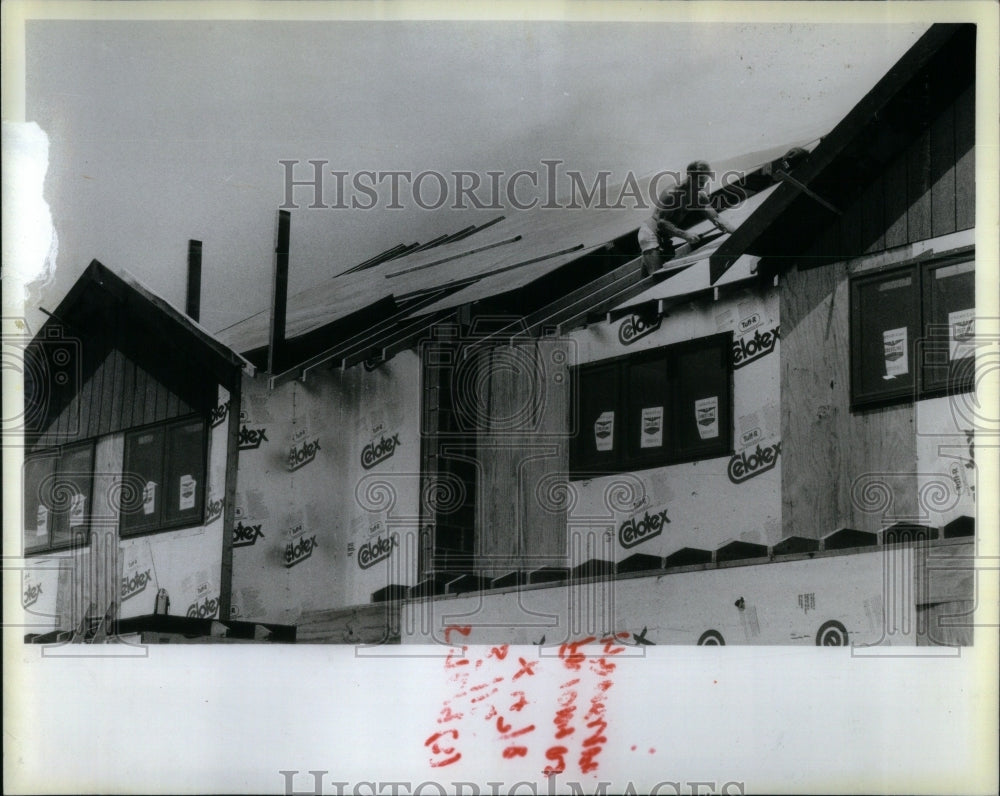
896, 359
706, 412
76, 510
963, 328
149, 498
604, 431
186, 499
652, 427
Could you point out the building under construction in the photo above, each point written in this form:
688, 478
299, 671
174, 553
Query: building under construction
512, 428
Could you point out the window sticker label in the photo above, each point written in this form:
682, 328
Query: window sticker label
76, 510
652, 427
963, 329
149, 497
604, 431
706, 411
896, 359
41, 520
187, 490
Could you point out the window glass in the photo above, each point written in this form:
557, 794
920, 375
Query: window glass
184, 466
38, 473
142, 496
949, 315
76, 467
646, 407
912, 331
165, 476
885, 312
653, 408
701, 400
597, 442
58, 488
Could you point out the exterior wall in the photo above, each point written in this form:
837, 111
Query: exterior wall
706, 506
924, 200
341, 520
871, 594
837, 461
60, 589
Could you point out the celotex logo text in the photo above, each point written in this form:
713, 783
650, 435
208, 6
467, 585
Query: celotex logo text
635, 327
636, 531
31, 595
374, 453
244, 535
760, 345
219, 414
299, 550
743, 467
132, 586
214, 510
376, 550
301, 455
205, 609
250, 438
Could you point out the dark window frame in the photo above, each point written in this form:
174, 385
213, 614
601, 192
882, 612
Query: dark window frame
163, 523
925, 348
75, 537
626, 457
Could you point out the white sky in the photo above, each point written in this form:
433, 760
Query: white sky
164, 131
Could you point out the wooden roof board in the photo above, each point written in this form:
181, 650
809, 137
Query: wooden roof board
543, 232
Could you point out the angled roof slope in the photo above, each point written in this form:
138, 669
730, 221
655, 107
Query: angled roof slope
512, 253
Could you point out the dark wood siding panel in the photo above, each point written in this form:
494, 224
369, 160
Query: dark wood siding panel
850, 229
152, 393
918, 190
172, 404
139, 397
943, 173
98, 395
107, 392
895, 203
117, 395
873, 217
965, 162
128, 393
826, 448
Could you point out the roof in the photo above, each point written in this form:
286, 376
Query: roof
876, 130
516, 251
84, 307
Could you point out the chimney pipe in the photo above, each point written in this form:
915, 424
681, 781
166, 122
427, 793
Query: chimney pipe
193, 305
279, 294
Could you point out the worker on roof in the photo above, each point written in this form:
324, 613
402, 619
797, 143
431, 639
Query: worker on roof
676, 209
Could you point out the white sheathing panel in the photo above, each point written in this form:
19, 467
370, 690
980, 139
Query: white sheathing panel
328, 490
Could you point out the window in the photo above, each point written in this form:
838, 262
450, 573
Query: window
58, 486
911, 331
657, 407
164, 473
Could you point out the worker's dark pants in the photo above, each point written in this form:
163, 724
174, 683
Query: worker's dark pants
652, 259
